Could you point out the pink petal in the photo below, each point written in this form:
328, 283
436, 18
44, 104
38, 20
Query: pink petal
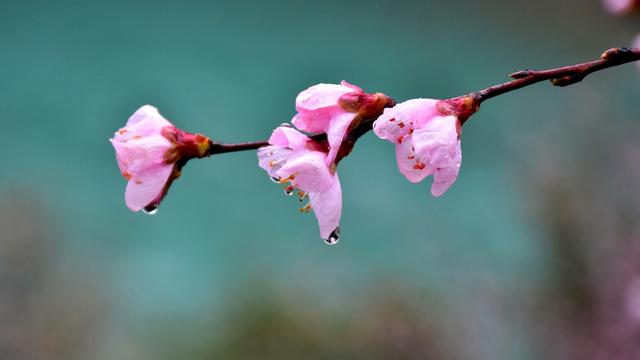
320, 96
408, 164
351, 86
438, 132
327, 206
272, 158
618, 6
444, 177
147, 186
438, 145
148, 113
288, 137
138, 154
337, 132
309, 170
398, 121
636, 44
313, 121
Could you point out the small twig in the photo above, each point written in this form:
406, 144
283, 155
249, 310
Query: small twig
563, 76
220, 148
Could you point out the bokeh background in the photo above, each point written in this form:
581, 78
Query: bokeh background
534, 253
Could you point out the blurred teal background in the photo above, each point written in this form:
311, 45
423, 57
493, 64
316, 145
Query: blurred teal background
533, 253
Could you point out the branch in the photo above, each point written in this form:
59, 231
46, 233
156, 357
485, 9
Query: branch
220, 148
563, 76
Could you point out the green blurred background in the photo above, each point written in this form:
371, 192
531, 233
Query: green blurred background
533, 253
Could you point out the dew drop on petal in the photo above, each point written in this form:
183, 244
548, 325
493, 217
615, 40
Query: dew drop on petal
289, 190
150, 210
275, 179
334, 237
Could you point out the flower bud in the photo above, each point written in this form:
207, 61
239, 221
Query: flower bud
151, 152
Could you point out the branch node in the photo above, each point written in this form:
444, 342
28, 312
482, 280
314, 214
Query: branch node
521, 74
568, 80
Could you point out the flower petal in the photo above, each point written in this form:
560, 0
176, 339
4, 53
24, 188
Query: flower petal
618, 7
437, 144
309, 171
147, 186
148, 113
409, 165
398, 121
444, 177
137, 154
327, 206
337, 132
436, 139
288, 137
636, 44
349, 85
313, 121
321, 96
272, 158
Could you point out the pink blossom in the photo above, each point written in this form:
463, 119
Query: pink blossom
150, 152
427, 141
334, 110
636, 44
618, 7
294, 159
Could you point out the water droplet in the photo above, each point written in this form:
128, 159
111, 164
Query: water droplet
334, 237
275, 179
150, 210
289, 190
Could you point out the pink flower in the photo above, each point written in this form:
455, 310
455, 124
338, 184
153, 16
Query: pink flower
299, 161
636, 44
335, 110
151, 152
618, 7
427, 139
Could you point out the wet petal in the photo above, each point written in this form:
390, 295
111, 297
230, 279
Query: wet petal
137, 154
309, 171
321, 96
149, 116
438, 145
400, 120
147, 186
437, 139
444, 177
409, 165
313, 121
327, 206
272, 158
288, 137
337, 132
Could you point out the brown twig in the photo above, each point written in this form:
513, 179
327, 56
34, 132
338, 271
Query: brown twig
220, 148
563, 76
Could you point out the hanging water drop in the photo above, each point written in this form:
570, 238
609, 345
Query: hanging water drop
150, 210
275, 179
289, 190
334, 237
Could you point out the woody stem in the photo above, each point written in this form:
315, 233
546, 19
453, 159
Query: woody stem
562, 76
